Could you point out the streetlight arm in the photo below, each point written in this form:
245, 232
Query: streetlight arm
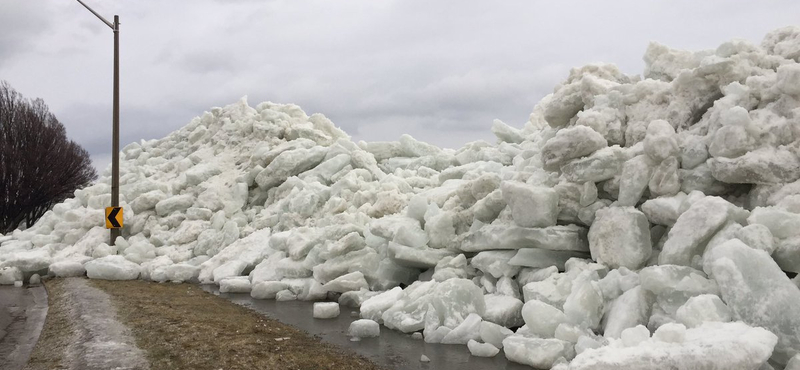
98, 16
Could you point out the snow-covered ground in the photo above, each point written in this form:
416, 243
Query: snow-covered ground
635, 222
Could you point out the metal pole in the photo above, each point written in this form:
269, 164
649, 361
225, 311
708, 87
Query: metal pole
115, 144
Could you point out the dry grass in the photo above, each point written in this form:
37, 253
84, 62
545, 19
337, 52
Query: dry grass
182, 327
57, 332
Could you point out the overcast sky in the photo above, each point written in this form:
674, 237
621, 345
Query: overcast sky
438, 70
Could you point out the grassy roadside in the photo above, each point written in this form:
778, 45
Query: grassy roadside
57, 334
182, 327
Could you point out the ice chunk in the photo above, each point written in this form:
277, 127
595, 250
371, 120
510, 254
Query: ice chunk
531, 206
636, 174
374, 307
600, 166
424, 358
175, 203
634, 336
201, 172
540, 258
352, 281
267, 289
667, 279
585, 304
29, 260
456, 267
112, 268
693, 228
710, 346
69, 267
469, 329
503, 310
417, 257
693, 151
629, 310
285, 295
364, 328
757, 236
787, 254
665, 179
266, 270
587, 342
702, 308
147, 201
760, 166
455, 299
239, 284
569, 237
289, 163
620, 237
182, 272
505, 132
664, 210
495, 263
789, 77
732, 141
326, 310
781, 223
542, 319
8, 275
489, 207
670, 333
552, 290
482, 349
407, 314
571, 143
758, 293
660, 142
228, 269
536, 352
494, 334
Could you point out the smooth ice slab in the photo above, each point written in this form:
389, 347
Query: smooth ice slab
758, 293
488, 237
112, 268
710, 346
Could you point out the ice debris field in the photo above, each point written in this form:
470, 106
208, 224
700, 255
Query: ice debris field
635, 222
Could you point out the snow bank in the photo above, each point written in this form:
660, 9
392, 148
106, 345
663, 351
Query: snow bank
626, 208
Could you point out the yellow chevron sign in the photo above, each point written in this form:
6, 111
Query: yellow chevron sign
113, 217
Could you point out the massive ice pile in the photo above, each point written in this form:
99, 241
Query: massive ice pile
636, 222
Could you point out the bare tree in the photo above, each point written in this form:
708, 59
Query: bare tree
39, 165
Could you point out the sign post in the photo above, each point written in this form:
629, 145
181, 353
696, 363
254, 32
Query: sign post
115, 231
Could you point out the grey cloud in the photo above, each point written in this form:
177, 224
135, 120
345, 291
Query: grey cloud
21, 22
440, 71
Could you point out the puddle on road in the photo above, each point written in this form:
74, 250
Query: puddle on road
22, 316
392, 349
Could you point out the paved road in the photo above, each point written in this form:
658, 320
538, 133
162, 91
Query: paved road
22, 315
392, 349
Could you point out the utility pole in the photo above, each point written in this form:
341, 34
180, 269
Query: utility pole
115, 232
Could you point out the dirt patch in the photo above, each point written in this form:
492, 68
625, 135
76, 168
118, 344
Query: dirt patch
57, 333
182, 327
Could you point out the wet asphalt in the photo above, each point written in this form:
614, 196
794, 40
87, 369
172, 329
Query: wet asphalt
393, 349
22, 316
